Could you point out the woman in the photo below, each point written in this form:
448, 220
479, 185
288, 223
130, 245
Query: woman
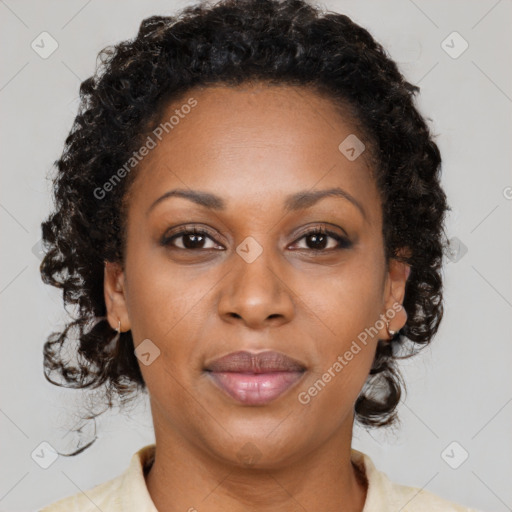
251, 200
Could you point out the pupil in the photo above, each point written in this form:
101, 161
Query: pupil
316, 237
193, 244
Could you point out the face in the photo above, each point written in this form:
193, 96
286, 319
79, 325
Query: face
268, 262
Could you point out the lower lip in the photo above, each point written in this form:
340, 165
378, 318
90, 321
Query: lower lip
255, 389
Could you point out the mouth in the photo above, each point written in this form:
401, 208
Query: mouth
255, 379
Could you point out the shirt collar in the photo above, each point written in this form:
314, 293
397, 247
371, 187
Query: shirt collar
134, 492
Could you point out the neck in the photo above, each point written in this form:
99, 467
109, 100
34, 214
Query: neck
184, 477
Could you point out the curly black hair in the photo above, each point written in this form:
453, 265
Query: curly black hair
233, 42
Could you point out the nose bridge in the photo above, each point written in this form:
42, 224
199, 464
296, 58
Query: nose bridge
254, 289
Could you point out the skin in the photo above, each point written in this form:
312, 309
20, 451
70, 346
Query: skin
253, 146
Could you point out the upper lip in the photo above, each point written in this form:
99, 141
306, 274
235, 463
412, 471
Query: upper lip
249, 362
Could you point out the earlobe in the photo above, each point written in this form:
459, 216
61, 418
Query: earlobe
114, 294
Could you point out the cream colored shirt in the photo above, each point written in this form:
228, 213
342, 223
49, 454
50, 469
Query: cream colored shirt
128, 492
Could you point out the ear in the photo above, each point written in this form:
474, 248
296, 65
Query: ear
398, 273
394, 293
115, 300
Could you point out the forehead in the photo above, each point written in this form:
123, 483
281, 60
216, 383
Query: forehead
252, 144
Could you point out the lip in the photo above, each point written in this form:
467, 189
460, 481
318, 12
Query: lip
251, 362
255, 378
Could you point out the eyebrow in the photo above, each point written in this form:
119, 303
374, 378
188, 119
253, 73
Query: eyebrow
298, 201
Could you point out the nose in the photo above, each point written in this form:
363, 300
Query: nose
256, 293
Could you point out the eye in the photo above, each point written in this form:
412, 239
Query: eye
195, 239
318, 238
192, 239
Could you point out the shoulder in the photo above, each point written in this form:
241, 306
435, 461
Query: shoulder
104, 496
415, 499
383, 495
125, 492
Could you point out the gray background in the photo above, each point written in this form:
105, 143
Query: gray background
459, 389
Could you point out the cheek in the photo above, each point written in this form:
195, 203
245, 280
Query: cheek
347, 308
160, 297
166, 307
345, 351
350, 300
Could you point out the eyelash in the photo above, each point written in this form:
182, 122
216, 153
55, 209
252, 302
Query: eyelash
343, 242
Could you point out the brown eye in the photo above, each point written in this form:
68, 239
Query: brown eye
318, 240
192, 239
